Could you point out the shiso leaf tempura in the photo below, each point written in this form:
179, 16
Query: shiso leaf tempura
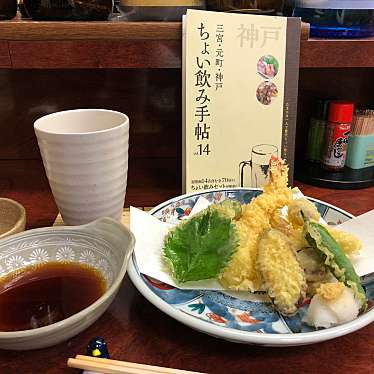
200, 247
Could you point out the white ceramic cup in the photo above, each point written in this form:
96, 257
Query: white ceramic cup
85, 156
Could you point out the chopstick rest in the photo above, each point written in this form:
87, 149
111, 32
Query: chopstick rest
109, 366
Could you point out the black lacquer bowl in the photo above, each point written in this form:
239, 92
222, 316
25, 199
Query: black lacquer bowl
64, 10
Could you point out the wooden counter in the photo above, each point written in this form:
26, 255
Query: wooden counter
134, 329
137, 331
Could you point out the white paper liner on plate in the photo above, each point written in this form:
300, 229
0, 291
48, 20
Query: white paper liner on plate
150, 233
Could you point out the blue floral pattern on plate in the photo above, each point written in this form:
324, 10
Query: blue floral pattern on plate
234, 310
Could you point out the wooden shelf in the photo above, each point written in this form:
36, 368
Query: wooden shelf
26, 30
56, 45
337, 53
19, 29
66, 45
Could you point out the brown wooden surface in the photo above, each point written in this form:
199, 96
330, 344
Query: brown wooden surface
5, 61
341, 53
163, 53
95, 54
56, 45
108, 30
150, 97
70, 30
137, 331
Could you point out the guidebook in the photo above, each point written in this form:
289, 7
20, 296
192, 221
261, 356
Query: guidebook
240, 80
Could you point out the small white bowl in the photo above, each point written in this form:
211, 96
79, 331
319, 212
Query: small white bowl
103, 244
12, 217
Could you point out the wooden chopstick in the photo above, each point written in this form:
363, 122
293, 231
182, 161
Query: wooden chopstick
108, 366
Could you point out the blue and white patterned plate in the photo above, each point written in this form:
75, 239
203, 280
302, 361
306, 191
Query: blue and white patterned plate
238, 316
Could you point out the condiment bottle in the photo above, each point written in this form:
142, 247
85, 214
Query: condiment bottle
336, 137
360, 152
8, 9
317, 129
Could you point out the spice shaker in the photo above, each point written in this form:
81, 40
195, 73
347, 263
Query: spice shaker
336, 137
317, 128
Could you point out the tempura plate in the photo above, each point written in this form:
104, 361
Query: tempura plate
238, 316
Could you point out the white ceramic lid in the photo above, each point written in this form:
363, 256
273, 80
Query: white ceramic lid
335, 4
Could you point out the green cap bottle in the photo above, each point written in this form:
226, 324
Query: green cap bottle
317, 128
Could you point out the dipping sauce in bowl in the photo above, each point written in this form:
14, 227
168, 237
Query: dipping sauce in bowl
39, 295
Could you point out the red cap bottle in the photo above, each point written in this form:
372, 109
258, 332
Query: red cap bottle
341, 112
337, 132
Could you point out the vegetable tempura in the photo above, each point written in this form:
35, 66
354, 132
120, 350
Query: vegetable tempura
274, 244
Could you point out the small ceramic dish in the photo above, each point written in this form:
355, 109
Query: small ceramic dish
104, 244
12, 217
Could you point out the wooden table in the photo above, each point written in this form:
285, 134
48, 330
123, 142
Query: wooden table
137, 331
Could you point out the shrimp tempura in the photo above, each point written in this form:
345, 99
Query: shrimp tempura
241, 273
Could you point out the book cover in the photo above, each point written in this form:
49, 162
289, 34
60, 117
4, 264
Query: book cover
240, 81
